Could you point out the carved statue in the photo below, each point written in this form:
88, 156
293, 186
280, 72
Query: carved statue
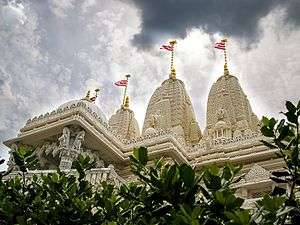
54, 148
64, 139
221, 114
39, 151
153, 122
47, 148
78, 141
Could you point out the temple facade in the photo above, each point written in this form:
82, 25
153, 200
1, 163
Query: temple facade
170, 130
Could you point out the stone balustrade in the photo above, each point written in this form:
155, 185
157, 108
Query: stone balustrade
94, 176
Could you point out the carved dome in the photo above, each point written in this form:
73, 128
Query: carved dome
124, 122
89, 105
227, 101
169, 107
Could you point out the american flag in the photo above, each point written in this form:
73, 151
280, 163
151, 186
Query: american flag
167, 47
121, 83
221, 45
93, 99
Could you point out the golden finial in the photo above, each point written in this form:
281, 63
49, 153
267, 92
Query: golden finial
87, 96
172, 43
173, 74
125, 90
126, 104
97, 91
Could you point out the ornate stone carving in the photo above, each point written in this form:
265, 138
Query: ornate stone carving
64, 139
70, 152
78, 141
221, 114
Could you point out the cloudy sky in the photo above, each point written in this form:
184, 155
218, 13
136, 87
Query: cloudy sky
52, 51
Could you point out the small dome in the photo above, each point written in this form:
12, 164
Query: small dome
89, 105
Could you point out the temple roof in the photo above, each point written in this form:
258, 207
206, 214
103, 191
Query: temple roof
89, 105
170, 108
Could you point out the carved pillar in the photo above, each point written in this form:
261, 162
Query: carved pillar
69, 151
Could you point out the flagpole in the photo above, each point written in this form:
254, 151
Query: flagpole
172, 43
226, 72
125, 90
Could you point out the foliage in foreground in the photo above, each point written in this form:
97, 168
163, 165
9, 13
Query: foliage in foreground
166, 193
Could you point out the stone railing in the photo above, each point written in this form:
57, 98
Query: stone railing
158, 133
206, 145
82, 107
94, 176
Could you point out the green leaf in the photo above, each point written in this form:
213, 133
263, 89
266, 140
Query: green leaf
268, 144
290, 107
278, 191
227, 173
187, 174
291, 117
272, 123
267, 132
280, 173
280, 125
278, 180
214, 170
219, 197
141, 155
265, 121
283, 132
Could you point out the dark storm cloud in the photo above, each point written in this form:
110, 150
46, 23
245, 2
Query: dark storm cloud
237, 18
293, 12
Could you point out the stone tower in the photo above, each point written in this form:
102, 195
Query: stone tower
124, 122
229, 114
170, 108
